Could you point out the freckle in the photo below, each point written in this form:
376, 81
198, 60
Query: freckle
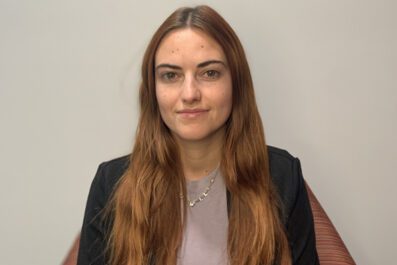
202, 46
172, 51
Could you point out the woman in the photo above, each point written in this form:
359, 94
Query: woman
200, 186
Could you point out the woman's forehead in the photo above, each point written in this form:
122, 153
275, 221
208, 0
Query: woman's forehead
188, 44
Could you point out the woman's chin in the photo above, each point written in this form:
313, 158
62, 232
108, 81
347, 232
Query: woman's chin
191, 137
199, 135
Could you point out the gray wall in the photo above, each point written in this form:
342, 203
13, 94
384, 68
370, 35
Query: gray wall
325, 78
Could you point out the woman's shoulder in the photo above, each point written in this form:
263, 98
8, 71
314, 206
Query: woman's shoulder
93, 233
282, 164
114, 168
286, 174
279, 154
110, 172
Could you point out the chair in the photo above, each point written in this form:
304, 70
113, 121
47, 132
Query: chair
330, 247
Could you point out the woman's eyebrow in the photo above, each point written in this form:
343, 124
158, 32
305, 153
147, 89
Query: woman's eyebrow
166, 65
206, 63
200, 65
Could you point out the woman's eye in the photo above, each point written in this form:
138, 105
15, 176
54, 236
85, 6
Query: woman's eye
211, 74
169, 76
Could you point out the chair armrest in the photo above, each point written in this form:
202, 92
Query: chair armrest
330, 247
71, 258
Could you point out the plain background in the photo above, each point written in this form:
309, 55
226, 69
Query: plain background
325, 79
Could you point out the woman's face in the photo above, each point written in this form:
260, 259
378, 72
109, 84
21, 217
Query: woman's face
193, 85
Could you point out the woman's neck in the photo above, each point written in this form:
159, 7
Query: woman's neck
199, 158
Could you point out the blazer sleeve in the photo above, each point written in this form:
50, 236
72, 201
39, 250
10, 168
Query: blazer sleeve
92, 240
300, 224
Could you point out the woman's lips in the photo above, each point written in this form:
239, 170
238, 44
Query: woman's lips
191, 113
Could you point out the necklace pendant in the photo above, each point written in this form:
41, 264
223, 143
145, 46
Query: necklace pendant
204, 194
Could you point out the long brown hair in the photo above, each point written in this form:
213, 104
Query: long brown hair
146, 207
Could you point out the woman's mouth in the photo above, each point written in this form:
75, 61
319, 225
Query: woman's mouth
191, 113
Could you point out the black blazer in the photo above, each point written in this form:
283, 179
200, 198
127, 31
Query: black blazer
286, 175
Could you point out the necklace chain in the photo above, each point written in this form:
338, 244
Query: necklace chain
204, 194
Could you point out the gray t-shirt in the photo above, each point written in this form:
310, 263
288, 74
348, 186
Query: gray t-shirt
205, 235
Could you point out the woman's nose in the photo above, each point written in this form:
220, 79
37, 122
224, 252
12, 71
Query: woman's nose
190, 90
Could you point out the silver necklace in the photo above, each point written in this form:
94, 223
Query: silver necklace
204, 194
